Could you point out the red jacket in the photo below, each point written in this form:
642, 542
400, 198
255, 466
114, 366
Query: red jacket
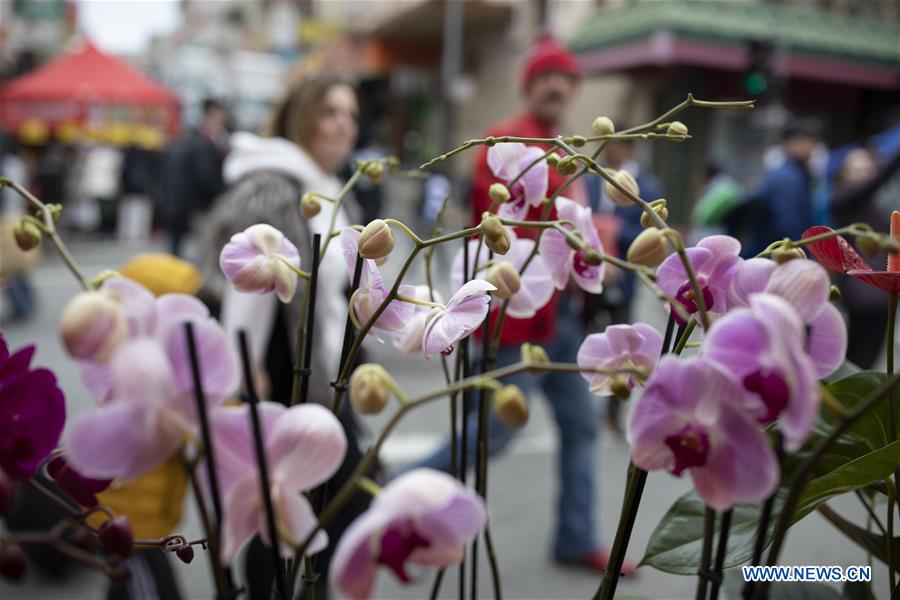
541, 325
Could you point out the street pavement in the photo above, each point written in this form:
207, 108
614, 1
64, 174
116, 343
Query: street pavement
523, 483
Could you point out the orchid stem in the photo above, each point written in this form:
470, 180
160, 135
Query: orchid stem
721, 553
338, 201
709, 526
634, 490
762, 529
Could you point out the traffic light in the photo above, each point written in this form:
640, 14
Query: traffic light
759, 72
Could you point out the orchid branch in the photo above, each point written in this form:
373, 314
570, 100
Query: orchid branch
350, 486
49, 229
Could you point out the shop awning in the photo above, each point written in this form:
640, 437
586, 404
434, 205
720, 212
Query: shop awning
87, 87
810, 44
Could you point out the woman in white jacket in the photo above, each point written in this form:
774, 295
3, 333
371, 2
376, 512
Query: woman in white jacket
309, 138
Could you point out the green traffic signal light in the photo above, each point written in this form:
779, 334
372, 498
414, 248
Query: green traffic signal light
756, 83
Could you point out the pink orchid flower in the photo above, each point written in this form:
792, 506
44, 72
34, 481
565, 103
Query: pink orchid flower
409, 341
146, 391
638, 345
259, 259
422, 517
805, 285
714, 260
372, 291
536, 288
463, 314
764, 346
687, 419
304, 445
562, 260
837, 255
506, 161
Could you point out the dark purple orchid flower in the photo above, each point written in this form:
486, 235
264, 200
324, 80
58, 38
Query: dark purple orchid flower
32, 412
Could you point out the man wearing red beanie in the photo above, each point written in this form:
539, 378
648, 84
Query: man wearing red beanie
549, 81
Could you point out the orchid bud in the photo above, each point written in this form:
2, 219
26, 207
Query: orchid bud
534, 355
374, 170
510, 406
567, 165
578, 140
620, 389
552, 159
116, 537
309, 206
626, 180
370, 389
7, 491
603, 126
92, 325
496, 238
55, 211
783, 255
505, 278
592, 257
392, 163
376, 240
649, 248
659, 207
677, 128
498, 193
186, 554
834, 293
28, 235
12, 561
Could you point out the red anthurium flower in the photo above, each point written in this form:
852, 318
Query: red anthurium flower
836, 254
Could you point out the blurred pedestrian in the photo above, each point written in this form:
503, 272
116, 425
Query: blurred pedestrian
549, 82
308, 139
718, 195
98, 186
192, 172
864, 193
781, 204
14, 263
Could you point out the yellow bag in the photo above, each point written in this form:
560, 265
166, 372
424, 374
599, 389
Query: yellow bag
152, 502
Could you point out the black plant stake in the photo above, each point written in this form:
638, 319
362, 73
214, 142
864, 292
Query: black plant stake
212, 474
765, 518
310, 317
349, 335
720, 555
466, 409
261, 462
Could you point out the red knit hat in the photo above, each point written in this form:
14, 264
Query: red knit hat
548, 55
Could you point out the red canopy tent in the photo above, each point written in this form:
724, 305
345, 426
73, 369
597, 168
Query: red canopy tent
84, 86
